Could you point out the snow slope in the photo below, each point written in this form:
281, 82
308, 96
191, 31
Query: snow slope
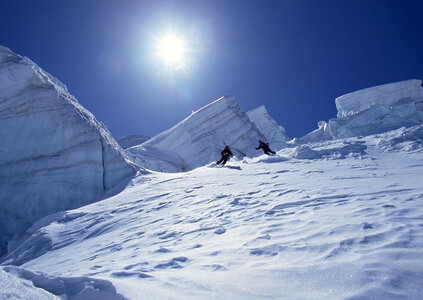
12, 287
54, 154
200, 138
338, 219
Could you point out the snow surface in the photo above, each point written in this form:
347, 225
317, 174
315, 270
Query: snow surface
336, 214
54, 154
12, 287
338, 219
37, 285
199, 139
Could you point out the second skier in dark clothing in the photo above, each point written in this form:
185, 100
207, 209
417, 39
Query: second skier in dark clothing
265, 147
226, 153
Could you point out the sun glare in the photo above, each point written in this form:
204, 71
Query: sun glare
171, 49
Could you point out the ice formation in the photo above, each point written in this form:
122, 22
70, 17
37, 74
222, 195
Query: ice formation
198, 139
373, 110
338, 219
54, 155
335, 218
386, 95
130, 140
272, 132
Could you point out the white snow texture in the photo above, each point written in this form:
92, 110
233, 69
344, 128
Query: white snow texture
199, 138
54, 155
336, 214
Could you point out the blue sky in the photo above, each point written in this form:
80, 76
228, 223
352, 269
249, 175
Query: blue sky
295, 57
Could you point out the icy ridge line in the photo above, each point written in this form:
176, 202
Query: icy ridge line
373, 110
55, 155
198, 139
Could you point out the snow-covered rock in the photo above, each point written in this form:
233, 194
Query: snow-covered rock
272, 132
54, 154
199, 139
130, 140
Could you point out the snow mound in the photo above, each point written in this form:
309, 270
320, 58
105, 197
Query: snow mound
69, 287
12, 287
339, 149
200, 138
272, 132
55, 155
130, 140
402, 140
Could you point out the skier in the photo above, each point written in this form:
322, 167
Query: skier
265, 147
225, 155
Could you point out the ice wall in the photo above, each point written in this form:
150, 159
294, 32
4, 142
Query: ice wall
272, 132
198, 139
385, 95
373, 110
54, 154
130, 140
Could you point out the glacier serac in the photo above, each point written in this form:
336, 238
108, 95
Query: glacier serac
386, 95
373, 110
272, 131
336, 214
130, 140
199, 138
54, 155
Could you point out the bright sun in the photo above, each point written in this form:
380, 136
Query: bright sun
171, 49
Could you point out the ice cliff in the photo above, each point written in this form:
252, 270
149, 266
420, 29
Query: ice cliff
55, 155
272, 132
130, 140
373, 110
198, 139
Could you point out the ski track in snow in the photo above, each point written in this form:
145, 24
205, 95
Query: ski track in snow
335, 228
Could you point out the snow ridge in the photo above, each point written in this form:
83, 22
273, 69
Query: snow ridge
199, 138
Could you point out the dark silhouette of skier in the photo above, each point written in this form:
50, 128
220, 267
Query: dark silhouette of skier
265, 147
226, 153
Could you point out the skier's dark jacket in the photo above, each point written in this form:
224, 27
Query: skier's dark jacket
226, 153
264, 146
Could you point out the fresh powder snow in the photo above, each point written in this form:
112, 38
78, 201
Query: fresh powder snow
336, 214
343, 223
